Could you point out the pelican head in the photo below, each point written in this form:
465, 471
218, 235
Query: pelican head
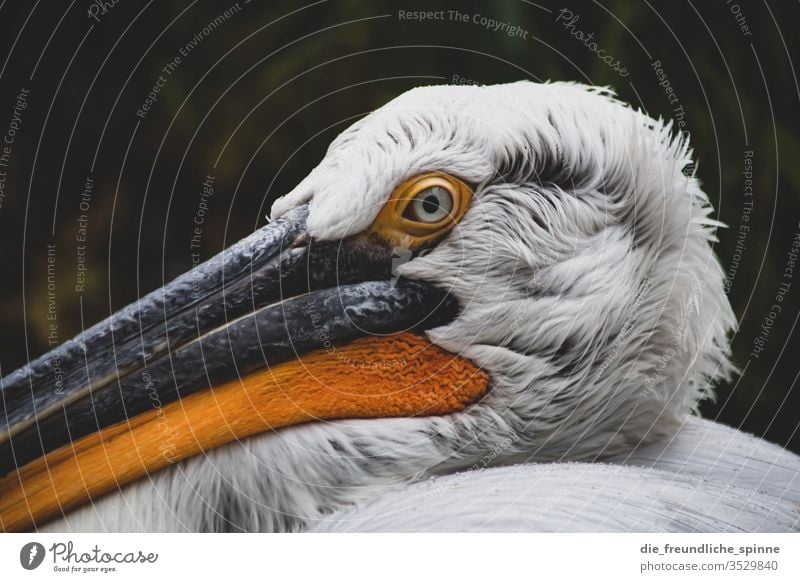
549, 247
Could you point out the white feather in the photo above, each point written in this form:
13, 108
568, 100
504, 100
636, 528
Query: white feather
708, 478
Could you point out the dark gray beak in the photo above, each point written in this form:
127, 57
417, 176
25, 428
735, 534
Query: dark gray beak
247, 308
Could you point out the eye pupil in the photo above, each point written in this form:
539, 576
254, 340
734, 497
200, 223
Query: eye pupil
430, 204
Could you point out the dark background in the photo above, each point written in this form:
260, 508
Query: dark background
266, 91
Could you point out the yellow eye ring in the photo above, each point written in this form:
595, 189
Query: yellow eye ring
422, 209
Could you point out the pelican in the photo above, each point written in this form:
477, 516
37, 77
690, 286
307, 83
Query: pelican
488, 308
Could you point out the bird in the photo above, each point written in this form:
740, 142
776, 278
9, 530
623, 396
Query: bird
488, 308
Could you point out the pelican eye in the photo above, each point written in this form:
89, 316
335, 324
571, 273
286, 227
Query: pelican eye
422, 209
433, 204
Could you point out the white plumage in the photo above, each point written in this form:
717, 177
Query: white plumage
708, 478
590, 294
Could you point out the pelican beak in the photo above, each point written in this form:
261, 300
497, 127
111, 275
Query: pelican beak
277, 330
